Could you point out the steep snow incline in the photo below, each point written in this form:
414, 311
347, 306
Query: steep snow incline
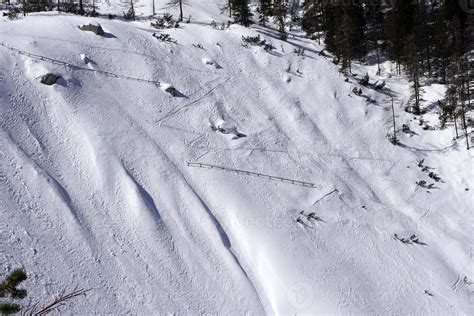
95, 190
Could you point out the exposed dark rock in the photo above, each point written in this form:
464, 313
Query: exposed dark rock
95, 28
49, 79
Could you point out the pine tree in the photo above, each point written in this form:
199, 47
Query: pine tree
8, 288
311, 22
180, 4
398, 26
344, 29
374, 27
241, 12
293, 10
130, 14
81, 8
441, 45
279, 14
412, 64
264, 11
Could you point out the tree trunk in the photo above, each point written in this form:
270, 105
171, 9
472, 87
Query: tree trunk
379, 70
456, 126
180, 10
394, 126
463, 114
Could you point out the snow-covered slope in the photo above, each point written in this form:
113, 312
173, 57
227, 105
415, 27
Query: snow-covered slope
95, 190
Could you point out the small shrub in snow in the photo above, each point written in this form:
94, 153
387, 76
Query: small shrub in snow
413, 239
299, 51
12, 13
434, 176
92, 13
221, 27
365, 81
130, 14
406, 128
70, 7
257, 41
379, 86
8, 289
356, 91
111, 16
393, 139
164, 37
423, 184
165, 22
198, 46
252, 40
268, 47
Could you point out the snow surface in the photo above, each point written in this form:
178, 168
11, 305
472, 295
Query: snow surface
95, 191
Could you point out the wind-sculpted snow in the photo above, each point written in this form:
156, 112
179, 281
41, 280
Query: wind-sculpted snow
95, 191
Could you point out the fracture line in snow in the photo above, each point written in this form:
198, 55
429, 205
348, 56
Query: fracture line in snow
63, 63
250, 173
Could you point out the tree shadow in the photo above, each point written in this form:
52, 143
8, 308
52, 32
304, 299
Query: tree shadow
426, 149
275, 36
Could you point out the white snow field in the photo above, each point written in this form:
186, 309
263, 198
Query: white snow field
95, 190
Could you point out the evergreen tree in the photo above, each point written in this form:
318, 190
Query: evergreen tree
441, 45
294, 6
344, 28
180, 4
241, 12
311, 22
398, 26
411, 62
279, 13
374, 28
81, 8
8, 288
264, 11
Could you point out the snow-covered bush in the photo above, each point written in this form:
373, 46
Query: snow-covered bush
257, 41
299, 51
12, 13
164, 37
393, 139
130, 14
198, 46
165, 22
365, 81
